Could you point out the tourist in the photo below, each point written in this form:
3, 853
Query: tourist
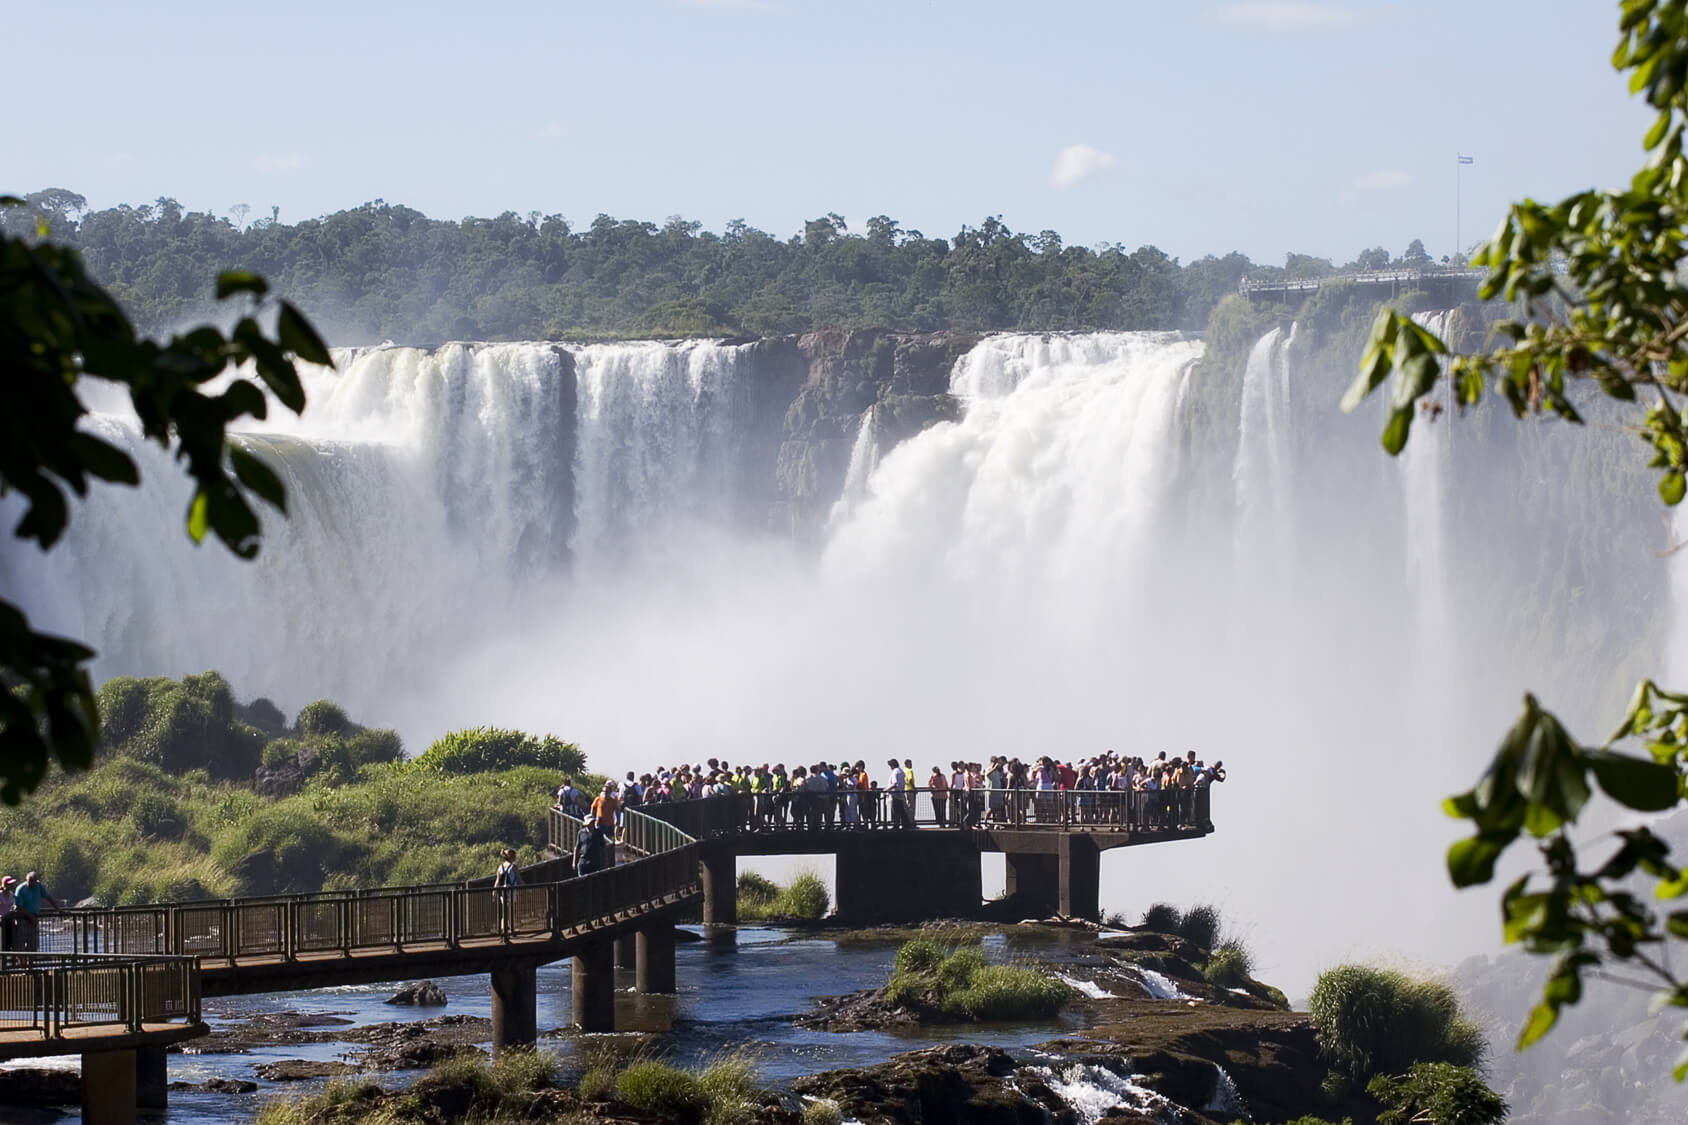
26, 912
939, 785
568, 800
508, 875
591, 849
852, 816
7, 904
606, 807
898, 788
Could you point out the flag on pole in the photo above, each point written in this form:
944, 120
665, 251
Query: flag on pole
1466, 160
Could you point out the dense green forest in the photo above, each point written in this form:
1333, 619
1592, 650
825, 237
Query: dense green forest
194, 795
383, 271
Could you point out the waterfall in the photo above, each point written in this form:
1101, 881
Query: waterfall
864, 458
1263, 470
660, 427
1424, 485
1049, 487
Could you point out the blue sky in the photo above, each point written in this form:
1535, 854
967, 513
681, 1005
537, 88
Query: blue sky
1198, 127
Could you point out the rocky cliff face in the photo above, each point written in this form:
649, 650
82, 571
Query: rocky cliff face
902, 379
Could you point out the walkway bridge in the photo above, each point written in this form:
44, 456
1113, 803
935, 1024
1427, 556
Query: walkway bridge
1445, 287
289, 942
119, 985
1052, 842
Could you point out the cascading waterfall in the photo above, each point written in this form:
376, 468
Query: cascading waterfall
1424, 484
1051, 481
864, 458
465, 546
660, 426
1263, 470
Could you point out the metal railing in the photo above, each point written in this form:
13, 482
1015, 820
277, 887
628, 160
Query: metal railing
51, 993
340, 924
1402, 276
1092, 810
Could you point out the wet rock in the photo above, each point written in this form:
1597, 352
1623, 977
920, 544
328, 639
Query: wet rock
422, 993
867, 1010
40, 1086
218, 1086
957, 1084
295, 1070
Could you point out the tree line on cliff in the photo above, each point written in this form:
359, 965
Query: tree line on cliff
385, 271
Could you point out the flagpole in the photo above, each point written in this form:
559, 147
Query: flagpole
1459, 162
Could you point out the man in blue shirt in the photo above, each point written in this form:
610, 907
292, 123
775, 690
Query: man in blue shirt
27, 910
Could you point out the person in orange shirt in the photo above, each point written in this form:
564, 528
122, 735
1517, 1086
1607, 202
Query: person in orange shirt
604, 807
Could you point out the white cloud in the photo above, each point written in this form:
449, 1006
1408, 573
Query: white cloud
285, 162
1285, 16
551, 131
1077, 163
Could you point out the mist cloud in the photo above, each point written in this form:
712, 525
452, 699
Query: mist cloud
1287, 17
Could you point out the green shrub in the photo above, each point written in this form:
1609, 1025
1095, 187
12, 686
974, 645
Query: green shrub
662, 1088
1229, 966
1439, 1092
756, 890
805, 898
320, 718
921, 955
1371, 1021
1162, 918
1200, 927
485, 749
522, 1071
280, 752
729, 1085
263, 714
1277, 997
466, 1071
1008, 992
154, 814
959, 968
823, 1111
597, 1084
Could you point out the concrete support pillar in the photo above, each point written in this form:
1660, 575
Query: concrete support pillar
626, 953
655, 969
1081, 878
152, 1078
594, 987
720, 888
1033, 879
108, 1088
515, 1007
877, 878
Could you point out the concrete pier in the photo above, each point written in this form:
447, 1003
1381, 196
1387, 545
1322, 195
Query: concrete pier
655, 968
515, 1006
594, 987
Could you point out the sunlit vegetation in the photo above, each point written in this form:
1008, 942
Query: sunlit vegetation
173, 807
384, 271
958, 983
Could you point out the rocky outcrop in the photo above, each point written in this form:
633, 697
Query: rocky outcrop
422, 993
216, 1086
300, 1070
957, 1084
903, 378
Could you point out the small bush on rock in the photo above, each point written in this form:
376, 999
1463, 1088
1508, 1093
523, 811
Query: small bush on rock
823, 1111
1162, 918
659, 1087
1200, 927
1229, 966
1371, 1021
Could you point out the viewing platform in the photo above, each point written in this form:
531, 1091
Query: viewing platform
1052, 842
1445, 286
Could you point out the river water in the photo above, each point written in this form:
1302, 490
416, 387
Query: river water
738, 991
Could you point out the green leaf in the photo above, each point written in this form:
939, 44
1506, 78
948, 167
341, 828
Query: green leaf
199, 517
1672, 486
102, 460
230, 282
1637, 783
298, 337
1472, 861
1395, 430
257, 476
1541, 1021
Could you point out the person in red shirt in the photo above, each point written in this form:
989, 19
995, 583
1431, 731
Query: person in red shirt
604, 807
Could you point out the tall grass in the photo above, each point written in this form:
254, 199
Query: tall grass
805, 897
1371, 1021
958, 983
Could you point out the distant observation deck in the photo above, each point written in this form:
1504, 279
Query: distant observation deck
1446, 287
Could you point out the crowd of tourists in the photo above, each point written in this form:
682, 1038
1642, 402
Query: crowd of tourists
1105, 791
20, 912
